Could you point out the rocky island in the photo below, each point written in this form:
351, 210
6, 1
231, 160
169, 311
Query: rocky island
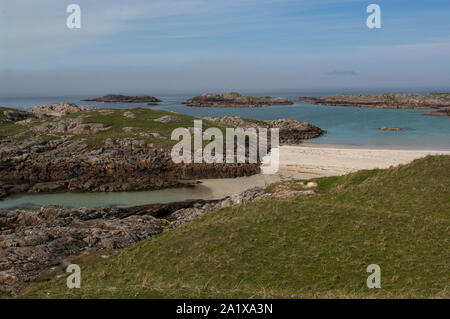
438, 101
117, 98
233, 99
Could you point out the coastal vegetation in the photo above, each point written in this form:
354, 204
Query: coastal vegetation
305, 246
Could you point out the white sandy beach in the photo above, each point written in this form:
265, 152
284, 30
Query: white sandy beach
316, 160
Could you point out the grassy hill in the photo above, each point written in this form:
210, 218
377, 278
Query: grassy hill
303, 247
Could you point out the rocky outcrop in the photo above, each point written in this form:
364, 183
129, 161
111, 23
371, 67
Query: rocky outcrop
16, 115
58, 110
389, 100
34, 241
38, 165
390, 129
69, 125
118, 98
167, 119
291, 131
233, 99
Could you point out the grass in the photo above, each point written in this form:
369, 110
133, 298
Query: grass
304, 247
143, 122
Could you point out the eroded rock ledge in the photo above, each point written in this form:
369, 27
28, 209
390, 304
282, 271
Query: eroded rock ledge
37, 165
233, 99
439, 101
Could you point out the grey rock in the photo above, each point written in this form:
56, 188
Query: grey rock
168, 119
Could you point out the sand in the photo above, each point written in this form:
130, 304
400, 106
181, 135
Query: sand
317, 160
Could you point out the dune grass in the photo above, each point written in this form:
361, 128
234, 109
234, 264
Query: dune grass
304, 247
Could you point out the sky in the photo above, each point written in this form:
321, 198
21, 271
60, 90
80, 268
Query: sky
142, 46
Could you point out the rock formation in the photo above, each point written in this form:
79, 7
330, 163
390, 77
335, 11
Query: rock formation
233, 99
58, 110
38, 165
291, 131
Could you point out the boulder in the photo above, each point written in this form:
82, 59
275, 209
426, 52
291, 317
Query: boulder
168, 119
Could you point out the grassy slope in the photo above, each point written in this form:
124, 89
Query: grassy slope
310, 246
143, 121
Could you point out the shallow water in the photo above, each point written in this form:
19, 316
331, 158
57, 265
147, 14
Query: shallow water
95, 200
207, 190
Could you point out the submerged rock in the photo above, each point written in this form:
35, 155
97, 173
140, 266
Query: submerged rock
391, 129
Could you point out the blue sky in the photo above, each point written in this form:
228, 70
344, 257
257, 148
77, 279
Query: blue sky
227, 44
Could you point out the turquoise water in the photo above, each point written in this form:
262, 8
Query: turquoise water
95, 200
351, 125
345, 125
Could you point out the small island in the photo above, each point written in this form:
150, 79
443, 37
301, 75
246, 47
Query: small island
438, 101
233, 99
118, 98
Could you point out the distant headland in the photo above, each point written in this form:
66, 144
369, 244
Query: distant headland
439, 101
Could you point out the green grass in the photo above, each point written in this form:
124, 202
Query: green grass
143, 121
311, 246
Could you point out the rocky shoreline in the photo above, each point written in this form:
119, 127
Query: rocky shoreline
118, 98
291, 131
233, 99
439, 101
60, 165
36, 241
